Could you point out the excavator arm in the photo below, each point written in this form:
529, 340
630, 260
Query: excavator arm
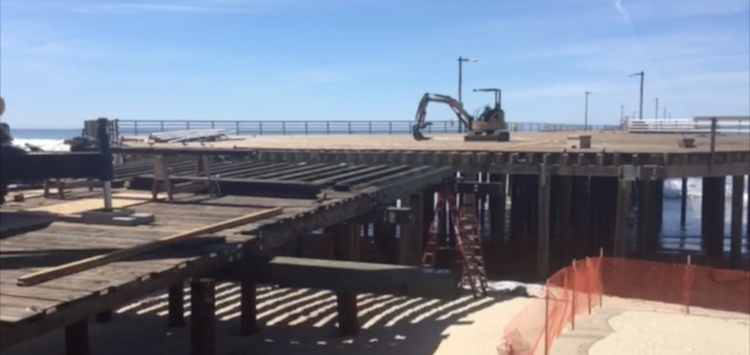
420, 122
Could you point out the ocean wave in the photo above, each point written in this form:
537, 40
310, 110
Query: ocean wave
48, 145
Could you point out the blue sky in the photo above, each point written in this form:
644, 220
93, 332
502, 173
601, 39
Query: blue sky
62, 62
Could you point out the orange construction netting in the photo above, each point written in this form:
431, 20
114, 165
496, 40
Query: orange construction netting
576, 289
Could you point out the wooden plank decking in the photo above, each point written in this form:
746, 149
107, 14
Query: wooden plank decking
28, 311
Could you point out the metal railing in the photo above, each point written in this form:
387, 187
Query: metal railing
246, 128
687, 125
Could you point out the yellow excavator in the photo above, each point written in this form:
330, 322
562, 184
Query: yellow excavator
488, 126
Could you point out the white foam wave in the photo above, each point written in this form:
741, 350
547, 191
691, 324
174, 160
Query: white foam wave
673, 188
48, 145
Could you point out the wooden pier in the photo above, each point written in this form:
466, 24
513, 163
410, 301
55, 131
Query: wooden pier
546, 199
39, 240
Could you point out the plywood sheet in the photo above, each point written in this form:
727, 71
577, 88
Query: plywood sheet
85, 205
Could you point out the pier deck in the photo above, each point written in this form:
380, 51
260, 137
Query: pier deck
28, 311
659, 154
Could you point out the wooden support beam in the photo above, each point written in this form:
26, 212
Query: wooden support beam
620, 248
644, 213
346, 247
497, 212
415, 244
543, 229
712, 219
249, 306
176, 301
566, 216
104, 317
582, 211
428, 214
202, 317
77, 338
99, 260
683, 203
738, 189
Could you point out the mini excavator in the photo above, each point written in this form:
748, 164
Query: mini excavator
488, 126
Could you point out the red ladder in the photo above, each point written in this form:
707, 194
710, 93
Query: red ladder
468, 243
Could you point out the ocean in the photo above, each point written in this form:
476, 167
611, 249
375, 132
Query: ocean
673, 236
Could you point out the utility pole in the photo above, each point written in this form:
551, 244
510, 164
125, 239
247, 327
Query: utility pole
461, 61
656, 111
622, 113
586, 112
642, 75
664, 114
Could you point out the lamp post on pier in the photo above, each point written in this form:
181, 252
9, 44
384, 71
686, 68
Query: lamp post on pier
461, 61
642, 75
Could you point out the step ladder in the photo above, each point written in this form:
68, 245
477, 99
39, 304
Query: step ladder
468, 242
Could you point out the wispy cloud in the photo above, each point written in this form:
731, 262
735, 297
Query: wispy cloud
621, 10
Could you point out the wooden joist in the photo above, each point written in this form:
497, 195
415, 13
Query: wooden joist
99, 260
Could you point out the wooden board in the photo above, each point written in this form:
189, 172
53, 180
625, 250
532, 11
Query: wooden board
99, 260
85, 205
135, 195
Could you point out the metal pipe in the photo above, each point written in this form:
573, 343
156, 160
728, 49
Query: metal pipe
108, 196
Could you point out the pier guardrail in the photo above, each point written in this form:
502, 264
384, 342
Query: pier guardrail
735, 125
244, 128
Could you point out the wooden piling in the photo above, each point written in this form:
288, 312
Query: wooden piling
712, 219
621, 219
248, 307
497, 212
543, 229
176, 304
683, 203
202, 317
416, 243
346, 247
77, 338
738, 189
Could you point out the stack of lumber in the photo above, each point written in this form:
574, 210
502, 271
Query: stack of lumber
194, 135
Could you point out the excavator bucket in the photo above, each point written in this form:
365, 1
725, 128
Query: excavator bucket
417, 133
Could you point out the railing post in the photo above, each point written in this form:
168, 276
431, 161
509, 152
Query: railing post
306, 128
135, 128
370, 126
390, 127
213, 124
188, 124
350, 127
283, 127
328, 127
260, 128
237, 127
162, 126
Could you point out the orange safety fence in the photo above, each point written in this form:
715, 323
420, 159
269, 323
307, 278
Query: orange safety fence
577, 289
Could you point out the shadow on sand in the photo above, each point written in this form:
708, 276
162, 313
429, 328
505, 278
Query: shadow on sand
294, 321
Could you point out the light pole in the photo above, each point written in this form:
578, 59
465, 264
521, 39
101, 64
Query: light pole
664, 113
642, 75
461, 61
656, 111
586, 112
622, 113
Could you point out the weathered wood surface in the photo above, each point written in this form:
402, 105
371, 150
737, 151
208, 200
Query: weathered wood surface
520, 142
30, 311
656, 156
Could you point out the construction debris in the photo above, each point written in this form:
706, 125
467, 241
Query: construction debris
196, 135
